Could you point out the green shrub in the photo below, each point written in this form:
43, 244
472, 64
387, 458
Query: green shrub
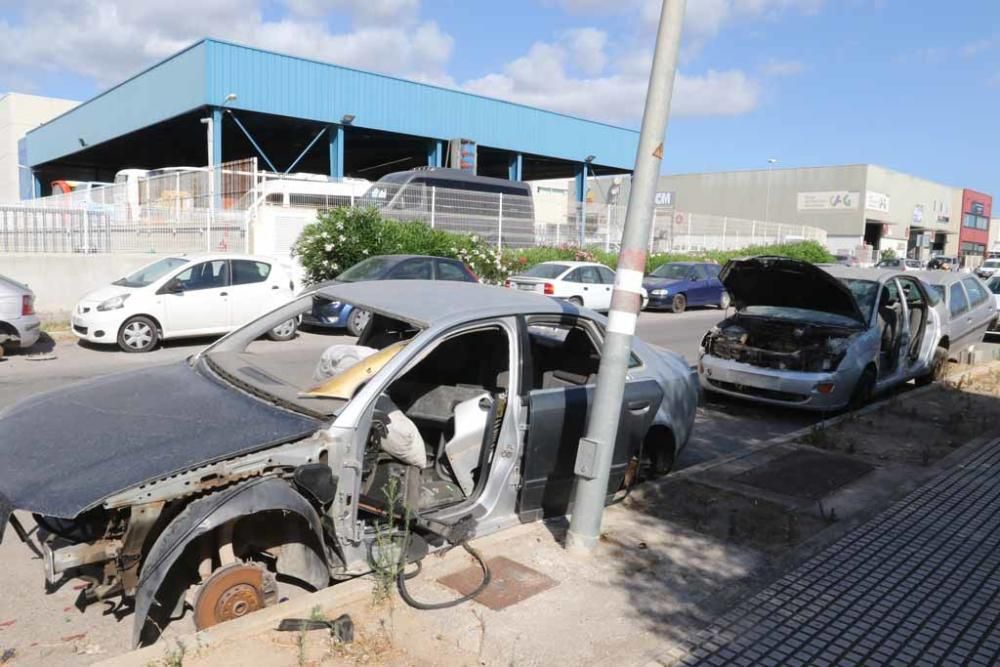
343, 237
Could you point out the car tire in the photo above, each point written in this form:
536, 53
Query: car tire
284, 331
357, 321
678, 304
576, 301
138, 334
724, 300
863, 390
936, 372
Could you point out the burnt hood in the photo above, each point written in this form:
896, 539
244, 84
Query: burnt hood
67, 450
787, 283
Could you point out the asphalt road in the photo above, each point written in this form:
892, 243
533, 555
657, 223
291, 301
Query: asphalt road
47, 626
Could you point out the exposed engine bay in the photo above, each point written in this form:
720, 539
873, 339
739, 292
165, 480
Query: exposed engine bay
781, 344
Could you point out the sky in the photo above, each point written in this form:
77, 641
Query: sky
913, 85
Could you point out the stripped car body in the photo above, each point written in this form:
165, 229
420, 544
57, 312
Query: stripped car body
204, 485
820, 338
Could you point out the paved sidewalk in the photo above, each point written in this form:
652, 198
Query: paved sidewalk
919, 584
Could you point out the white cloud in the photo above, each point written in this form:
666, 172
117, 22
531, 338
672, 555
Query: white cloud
586, 47
543, 78
973, 49
775, 67
107, 40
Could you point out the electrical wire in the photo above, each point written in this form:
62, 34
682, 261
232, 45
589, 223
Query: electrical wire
402, 577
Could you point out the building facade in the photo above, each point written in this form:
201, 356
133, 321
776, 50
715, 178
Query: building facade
974, 236
18, 115
865, 209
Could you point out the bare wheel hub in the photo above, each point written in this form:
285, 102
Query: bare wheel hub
232, 592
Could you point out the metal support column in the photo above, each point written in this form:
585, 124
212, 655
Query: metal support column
435, 153
217, 160
336, 143
582, 172
515, 167
596, 450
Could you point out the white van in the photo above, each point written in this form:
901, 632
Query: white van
312, 190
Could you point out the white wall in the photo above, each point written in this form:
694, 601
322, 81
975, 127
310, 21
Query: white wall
18, 114
60, 280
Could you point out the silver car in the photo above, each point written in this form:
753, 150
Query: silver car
820, 338
994, 285
19, 325
970, 306
207, 480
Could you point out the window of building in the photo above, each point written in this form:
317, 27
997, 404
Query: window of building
969, 248
973, 221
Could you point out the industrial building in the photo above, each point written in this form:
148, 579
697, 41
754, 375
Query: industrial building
302, 115
865, 209
18, 114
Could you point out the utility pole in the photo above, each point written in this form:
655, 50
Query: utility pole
209, 123
767, 201
594, 456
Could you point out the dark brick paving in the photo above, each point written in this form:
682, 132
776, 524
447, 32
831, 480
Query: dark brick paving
918, 584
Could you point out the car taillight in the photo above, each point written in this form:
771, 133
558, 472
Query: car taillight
27, 305
550, 289
506, 283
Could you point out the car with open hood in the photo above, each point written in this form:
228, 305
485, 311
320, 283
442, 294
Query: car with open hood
204, 487
821, 338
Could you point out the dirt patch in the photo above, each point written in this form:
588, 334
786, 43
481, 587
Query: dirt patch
730, 516
805, 474
919, 430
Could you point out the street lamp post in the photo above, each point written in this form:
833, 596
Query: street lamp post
767, 200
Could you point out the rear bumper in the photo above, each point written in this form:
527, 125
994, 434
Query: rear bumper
28, 329
776, 387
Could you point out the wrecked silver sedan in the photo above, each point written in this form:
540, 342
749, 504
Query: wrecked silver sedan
202, 488
821, 338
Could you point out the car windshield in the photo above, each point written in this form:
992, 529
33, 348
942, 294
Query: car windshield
545, 271
991, 264
368, 269
938, 290
865, 293
150, 273
671, 271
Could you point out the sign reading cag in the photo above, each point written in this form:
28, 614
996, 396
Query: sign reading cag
834, 200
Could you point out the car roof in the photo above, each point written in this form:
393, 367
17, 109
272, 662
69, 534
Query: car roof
941, 277
427, 302
873, 274
205, 256
572, 263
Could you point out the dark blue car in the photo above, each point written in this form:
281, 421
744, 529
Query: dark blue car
336, 315
677, 285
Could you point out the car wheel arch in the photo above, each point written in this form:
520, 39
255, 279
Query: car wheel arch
156, 321
207, 514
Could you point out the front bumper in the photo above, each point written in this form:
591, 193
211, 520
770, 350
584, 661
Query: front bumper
776, 387
658, 302
96, 326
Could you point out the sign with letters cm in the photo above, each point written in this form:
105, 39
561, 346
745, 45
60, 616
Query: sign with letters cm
665, 198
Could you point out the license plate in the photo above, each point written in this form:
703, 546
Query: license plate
525, 286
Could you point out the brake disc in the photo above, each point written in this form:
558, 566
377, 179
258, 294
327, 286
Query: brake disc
232, 592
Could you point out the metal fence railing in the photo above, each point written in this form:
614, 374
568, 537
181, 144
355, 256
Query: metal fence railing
200, 209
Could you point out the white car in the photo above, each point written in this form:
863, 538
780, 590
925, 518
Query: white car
19, 325
183, 296
586, 284
989, 268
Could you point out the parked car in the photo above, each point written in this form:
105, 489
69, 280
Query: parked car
338, 315
459, 201
988, 269
969, 305
183, 296
677, 285
846, 260
19, 325
941, 263
994, 285
586, 284
209, 479
900, 264
821, 338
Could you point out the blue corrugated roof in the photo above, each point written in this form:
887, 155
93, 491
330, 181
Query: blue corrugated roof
266, 82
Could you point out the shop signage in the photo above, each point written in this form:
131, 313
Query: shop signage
836, 200
877, 201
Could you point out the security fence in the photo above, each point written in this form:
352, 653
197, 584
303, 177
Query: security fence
235, 207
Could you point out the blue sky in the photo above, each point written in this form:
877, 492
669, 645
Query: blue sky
910, 84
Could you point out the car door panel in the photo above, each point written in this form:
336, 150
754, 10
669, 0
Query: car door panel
202, 308
557, 419
250, 291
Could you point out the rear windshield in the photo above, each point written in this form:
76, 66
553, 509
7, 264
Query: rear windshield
672, 271
545, 271
991, 263
150, 273
368, 269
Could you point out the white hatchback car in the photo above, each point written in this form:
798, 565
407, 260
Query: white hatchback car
586, 284
184, 296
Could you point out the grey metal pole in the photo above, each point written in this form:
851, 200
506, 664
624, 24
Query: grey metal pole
594, 456
210, 129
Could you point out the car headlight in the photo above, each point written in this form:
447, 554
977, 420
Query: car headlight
114, 303
660, 292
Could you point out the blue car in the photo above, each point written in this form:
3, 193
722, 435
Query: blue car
328, 314
677, 285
